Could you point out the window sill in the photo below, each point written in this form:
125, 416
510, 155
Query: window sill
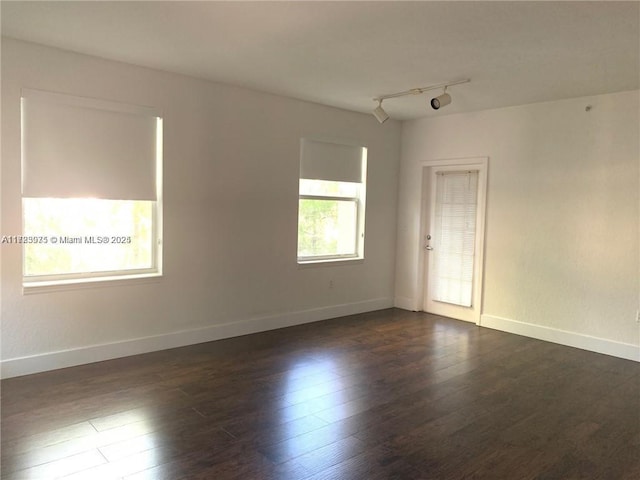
89, 282
330, 262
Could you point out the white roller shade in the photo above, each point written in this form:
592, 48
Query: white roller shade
331, 161
82, 147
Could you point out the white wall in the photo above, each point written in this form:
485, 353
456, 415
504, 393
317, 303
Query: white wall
230, 213
562, 232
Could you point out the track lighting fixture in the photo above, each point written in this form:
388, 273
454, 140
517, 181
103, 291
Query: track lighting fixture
436, 102
441, 100
379, 113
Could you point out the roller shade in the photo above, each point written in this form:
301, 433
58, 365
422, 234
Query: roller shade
82, 147
330, 161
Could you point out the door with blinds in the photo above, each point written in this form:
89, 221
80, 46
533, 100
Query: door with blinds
452, 242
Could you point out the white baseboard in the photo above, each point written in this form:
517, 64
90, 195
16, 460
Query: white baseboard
405, 303
571, 339
15, 367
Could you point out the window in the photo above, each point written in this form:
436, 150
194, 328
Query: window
331, 202
91, 189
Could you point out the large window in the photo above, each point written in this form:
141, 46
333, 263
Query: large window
91, 189
331, 202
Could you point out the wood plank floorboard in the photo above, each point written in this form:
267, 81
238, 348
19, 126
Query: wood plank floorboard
378, 396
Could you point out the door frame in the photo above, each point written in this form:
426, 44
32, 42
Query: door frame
481, 164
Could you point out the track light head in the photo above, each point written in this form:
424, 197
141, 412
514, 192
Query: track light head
379, 113
440, 101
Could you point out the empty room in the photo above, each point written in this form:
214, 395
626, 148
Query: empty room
320, 240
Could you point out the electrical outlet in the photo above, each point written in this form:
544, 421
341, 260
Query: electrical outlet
330, 283
638, 316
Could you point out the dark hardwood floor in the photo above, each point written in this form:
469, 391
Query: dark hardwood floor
383, 395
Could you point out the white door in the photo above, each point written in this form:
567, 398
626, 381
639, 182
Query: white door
453, 242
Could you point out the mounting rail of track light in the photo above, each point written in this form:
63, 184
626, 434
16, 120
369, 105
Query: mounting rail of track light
436, 102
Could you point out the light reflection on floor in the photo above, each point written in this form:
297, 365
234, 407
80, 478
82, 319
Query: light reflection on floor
305, 383
110, 452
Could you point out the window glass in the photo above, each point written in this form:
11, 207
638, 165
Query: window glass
79, 236
327, 227
328, 188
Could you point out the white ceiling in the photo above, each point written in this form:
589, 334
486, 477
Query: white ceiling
345, 53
